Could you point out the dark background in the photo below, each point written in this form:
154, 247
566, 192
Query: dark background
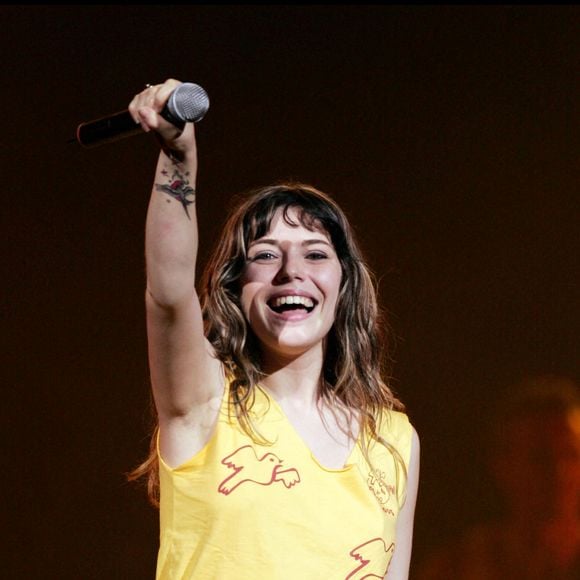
449, 134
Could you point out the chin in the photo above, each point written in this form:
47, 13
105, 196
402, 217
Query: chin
289, 348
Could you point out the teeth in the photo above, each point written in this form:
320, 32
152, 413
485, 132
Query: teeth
280, 301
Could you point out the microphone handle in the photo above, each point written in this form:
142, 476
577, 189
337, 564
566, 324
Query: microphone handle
114, 127
107, 129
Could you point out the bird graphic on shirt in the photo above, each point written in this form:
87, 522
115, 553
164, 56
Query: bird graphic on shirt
248, 467
371, 556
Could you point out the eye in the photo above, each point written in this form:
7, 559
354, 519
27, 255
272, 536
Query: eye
316, 255
263, 256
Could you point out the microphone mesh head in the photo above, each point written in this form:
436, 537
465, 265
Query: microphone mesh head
188, 103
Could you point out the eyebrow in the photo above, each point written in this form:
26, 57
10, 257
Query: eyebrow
273, 242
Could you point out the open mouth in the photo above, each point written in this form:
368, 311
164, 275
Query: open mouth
282, 304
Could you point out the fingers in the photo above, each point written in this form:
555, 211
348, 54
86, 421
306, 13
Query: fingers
146, 105
145, 109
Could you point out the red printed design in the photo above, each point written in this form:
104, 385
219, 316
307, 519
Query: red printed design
248, 467
381, 490
371, 555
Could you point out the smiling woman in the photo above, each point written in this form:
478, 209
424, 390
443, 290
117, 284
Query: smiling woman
281, 452
290, 287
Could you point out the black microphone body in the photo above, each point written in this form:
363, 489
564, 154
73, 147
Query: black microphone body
187, 103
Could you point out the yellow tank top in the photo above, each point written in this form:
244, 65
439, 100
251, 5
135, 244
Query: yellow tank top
244, 511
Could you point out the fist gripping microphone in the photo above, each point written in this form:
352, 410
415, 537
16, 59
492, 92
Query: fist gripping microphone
187, 103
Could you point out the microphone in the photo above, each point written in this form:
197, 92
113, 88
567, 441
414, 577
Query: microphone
187, 103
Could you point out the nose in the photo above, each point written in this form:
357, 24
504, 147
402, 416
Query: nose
290, 269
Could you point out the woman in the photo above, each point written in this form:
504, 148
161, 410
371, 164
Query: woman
281, 452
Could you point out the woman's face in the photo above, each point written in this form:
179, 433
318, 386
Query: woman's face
290, 288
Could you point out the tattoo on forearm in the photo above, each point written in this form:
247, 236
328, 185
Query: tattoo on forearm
178, 187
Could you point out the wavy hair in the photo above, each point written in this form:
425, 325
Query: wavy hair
355, 375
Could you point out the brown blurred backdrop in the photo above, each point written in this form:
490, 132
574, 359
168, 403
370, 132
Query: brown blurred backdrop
449, 134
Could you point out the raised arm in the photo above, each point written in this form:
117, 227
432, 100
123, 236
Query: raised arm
186, 378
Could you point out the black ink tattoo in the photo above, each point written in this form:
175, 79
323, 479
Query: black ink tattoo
178, 188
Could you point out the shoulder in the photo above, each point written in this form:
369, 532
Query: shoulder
396, 429
395, 425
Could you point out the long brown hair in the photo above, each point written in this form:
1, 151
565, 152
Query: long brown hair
355, 374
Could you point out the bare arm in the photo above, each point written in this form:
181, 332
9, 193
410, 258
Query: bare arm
400, 564
184, 374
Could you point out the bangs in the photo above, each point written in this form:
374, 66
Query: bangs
312, 212
259, 225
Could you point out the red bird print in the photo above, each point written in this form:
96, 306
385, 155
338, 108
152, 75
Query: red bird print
248, 467
371, 556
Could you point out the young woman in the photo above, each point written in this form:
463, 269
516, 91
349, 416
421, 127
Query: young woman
280, 452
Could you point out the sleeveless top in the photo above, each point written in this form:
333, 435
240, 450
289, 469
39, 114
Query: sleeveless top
244, 511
